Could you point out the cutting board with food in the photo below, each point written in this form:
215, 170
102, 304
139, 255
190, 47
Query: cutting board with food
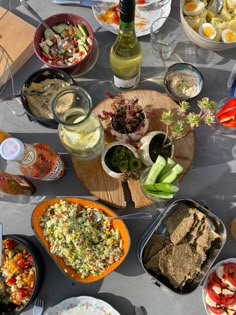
110, 190
16, 37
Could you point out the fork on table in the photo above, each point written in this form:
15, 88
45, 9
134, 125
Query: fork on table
38, 307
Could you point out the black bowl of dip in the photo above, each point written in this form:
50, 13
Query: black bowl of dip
48, 80
183, 82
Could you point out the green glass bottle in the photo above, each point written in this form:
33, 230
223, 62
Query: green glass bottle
125, 53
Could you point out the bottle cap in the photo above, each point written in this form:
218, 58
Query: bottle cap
127, 10
12, 149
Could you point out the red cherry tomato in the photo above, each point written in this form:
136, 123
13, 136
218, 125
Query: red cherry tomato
11, 281
10, 244
21, 263
30, 260
230, 273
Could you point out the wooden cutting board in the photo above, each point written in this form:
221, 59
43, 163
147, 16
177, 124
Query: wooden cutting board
16, 37
110, 190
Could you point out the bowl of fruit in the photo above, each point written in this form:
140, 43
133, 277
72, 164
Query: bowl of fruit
20, 274
67, 44
219, 288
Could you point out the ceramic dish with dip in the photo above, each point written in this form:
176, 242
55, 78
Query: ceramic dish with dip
37, 106
183, 81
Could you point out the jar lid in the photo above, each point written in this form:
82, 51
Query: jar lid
12, 149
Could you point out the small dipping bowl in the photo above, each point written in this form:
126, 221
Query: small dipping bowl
183, 82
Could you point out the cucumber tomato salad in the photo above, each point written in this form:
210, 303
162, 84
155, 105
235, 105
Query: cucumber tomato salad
82, 236
66, 45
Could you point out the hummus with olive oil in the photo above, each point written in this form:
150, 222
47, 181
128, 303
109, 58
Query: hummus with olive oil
39, 104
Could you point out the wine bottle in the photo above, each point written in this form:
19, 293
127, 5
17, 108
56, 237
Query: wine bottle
125, 53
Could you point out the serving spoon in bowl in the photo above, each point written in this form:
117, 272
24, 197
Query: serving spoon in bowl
25, 93
130, 216
60, 41
215, 6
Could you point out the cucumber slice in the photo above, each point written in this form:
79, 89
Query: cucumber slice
46, 49
155, 170
83, 48
161, 187
83, 29
161, 195
169, 164
48, 33
172, 174
77, 33
59, 28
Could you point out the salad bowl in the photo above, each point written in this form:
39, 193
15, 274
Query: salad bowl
47, 52
76, 274
24, 262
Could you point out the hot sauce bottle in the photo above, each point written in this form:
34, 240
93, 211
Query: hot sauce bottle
15, 185
37, 161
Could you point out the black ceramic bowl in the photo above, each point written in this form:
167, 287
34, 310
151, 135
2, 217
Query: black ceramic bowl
37, 77
13, 309
183, 81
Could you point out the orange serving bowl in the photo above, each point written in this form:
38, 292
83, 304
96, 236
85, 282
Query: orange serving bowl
40, 210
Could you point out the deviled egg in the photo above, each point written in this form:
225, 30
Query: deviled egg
228, 36
193, 8
207, 31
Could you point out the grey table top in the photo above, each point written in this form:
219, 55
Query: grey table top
211, 177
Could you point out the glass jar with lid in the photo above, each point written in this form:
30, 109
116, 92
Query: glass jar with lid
80, 130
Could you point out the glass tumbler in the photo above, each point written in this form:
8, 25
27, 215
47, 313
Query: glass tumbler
165, 34
79, 129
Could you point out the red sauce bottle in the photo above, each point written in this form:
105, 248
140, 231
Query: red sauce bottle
15, 185
35, 160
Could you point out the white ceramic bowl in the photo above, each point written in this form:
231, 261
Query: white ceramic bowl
204, 290
199, 40
144, 148
107, 148
135, 136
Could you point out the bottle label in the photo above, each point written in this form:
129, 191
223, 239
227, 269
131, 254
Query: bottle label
126, 84
29, 156
57, 170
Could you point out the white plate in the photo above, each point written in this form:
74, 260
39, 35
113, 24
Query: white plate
82, 305
220, 263
143, 17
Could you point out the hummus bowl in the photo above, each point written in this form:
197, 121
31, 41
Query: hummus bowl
181, 245
46, 81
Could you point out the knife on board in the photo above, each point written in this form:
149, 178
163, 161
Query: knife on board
85, 3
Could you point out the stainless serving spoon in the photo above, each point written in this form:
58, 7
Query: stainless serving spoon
25, 93
215, 6
60, 41
130, 216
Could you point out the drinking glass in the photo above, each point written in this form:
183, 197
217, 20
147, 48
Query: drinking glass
165, 34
